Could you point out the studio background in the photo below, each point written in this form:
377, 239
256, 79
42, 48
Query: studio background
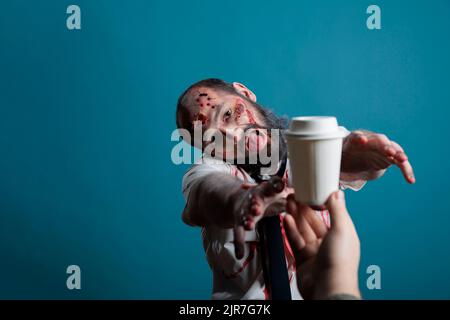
86, 115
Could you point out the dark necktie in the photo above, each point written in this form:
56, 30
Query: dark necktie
273, 257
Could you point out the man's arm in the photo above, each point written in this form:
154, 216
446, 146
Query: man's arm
222, 200
210, 200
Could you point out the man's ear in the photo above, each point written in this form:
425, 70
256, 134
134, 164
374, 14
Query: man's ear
244, 91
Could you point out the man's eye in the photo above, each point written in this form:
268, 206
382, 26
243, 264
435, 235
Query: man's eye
227, 114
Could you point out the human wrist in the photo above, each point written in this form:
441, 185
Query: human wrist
336, 282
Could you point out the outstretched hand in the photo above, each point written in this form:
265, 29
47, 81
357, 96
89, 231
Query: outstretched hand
370, 154
259, 200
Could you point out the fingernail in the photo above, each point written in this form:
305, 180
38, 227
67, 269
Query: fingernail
340, 195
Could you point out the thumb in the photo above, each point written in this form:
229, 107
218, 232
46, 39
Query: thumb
337, 209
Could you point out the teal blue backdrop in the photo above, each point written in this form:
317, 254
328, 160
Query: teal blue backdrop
86, 115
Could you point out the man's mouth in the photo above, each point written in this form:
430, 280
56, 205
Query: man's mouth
254, 139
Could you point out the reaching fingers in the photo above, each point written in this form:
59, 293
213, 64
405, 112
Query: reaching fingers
376, 141
398, 152
400, 156
407, 170
397, 146
381, 144
394, 152
358, 137
385, 152
401, 160
253, 207
391, 149
266, 198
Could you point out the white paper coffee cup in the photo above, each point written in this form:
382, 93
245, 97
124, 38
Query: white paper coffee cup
314, 148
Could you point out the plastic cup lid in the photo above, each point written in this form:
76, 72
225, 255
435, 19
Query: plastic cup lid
315, 127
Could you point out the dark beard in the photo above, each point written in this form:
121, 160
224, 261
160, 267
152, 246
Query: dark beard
272, 122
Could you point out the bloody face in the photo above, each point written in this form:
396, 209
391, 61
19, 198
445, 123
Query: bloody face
234, 117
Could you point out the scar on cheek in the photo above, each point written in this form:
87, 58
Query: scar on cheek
238, 111
250, 116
